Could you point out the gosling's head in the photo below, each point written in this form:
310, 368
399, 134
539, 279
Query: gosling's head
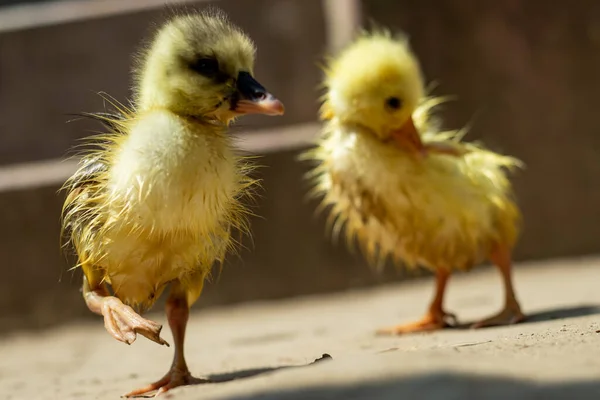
202, 65
376, 83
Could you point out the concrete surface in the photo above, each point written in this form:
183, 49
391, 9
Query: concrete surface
252, 349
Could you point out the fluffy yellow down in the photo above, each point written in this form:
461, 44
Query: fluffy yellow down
441, 211
163, 211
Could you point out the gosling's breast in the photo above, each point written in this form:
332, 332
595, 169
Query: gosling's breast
173, 174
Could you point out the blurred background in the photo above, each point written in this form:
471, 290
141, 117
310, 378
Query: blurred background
525, 73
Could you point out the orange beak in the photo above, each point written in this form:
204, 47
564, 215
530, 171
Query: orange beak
407, 137
253, 98
268, 105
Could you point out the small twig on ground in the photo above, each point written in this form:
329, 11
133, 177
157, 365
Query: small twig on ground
470, 344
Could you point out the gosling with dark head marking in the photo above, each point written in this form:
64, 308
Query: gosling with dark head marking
157, 203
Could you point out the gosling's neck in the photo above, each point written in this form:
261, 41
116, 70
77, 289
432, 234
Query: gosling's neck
153, 91
152, 95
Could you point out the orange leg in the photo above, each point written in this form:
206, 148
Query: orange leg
120, 320
436, 318
511, 313
179, 375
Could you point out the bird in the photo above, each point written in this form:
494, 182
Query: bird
396, 185
156, 200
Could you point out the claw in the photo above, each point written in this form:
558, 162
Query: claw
174, 378
508, 316
431, 322
123, 323
450, 319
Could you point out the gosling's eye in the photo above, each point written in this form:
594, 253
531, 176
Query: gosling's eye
205, 66
393, 103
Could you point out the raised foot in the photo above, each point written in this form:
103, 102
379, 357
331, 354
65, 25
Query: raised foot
431, 322
123, 323
508, 316
172, 379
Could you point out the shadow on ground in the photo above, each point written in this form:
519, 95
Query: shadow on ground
246, 373
551, 314
249, 373
439, 386
563, 313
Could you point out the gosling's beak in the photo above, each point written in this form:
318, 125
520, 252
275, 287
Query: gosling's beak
407, 137
254, 98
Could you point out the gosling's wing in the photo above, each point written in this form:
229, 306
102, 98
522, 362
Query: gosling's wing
83, 187
84, 208
82, 216
359, 214
93, 165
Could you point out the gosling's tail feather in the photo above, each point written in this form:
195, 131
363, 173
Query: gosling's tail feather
111, 121
114, 121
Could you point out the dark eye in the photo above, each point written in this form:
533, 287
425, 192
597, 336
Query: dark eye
393, 103
205, 66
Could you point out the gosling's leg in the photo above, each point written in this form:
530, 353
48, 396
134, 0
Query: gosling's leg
435, 318
120, 320
179, 375
511, 313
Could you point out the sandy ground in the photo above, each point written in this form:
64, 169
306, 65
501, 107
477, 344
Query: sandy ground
265, 350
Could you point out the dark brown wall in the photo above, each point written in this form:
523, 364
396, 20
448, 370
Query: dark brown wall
526, 70
51, 71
